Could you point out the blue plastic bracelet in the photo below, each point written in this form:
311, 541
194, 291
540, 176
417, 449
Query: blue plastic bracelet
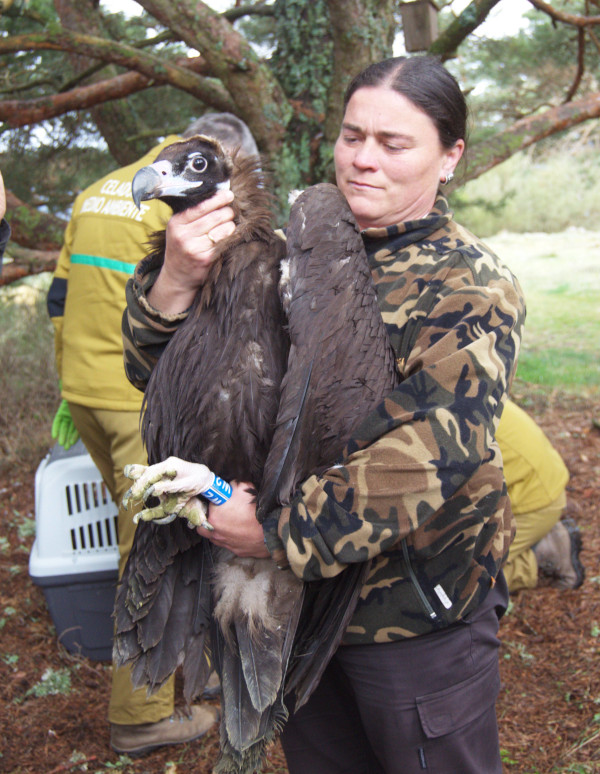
218, 492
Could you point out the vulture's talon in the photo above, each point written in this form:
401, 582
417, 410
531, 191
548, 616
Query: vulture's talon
134, 471
195, 511
156, 515
126, 499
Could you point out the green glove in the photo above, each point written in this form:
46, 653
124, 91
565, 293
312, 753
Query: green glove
63, 427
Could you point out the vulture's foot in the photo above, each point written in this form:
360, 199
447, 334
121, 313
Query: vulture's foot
169, 489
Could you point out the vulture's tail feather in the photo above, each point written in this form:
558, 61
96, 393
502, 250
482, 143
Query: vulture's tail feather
165, 563
196, 670
241, 718
197, 666
328, 607
250, 760
261, 667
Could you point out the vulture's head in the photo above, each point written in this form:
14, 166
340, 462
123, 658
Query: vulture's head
184, 173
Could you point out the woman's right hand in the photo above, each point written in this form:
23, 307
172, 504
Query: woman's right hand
191, 238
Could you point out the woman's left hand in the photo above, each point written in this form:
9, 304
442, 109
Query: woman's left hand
234, 524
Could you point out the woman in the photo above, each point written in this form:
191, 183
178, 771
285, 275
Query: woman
414, 685
4, 227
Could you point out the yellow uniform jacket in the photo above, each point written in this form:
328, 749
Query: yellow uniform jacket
106, 236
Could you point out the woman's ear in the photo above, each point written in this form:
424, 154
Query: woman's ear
453, 156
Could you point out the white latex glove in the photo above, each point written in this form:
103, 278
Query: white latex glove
175, 483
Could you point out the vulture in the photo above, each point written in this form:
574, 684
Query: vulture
283, 352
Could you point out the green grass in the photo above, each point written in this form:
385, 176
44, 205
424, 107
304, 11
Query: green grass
538, 205
560, 277
560, 368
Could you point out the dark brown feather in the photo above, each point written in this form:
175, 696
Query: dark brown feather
214, 397
340, 364
340, 367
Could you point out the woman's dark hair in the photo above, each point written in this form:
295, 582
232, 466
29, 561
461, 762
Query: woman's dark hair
427, 84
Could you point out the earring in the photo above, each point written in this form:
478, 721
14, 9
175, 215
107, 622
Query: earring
445, 179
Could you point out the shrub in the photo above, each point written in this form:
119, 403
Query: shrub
530, 193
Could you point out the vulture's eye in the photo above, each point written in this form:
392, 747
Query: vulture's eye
197, 162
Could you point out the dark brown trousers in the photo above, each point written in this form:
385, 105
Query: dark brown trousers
425, 704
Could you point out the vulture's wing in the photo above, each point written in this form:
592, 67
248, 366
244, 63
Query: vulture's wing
340, 363
340, 367
212, 398
165, 563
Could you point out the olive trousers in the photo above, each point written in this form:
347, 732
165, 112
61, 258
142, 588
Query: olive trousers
113, 440
521, 568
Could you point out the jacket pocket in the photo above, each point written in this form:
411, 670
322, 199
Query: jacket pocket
448, 710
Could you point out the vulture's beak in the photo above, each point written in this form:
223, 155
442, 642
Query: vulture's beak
157, 181
146, 184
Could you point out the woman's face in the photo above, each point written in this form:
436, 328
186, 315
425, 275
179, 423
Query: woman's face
389, 159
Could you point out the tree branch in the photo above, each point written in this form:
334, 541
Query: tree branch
16, 113
580, 65
474, 14
31, 227
566, 18
153, 67
260, 9
26, 262
85, 74
528, 131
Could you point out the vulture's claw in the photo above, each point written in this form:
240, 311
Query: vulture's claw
160, 510
170, 507
169, 489
195, 512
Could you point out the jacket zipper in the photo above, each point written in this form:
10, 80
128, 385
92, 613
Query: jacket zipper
417, 586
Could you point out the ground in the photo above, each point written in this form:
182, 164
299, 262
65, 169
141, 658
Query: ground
549, 705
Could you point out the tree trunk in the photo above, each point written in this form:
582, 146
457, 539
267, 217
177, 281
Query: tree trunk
375, 20
255, 92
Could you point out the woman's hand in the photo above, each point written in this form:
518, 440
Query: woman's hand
234, 524
191, 239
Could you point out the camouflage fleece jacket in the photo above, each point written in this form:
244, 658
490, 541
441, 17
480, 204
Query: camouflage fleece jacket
419, 491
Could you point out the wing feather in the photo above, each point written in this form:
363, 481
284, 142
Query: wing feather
337, 335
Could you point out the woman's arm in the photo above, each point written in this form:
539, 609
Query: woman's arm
4, 227
191, 236
428, 439
234, 524
163, 287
